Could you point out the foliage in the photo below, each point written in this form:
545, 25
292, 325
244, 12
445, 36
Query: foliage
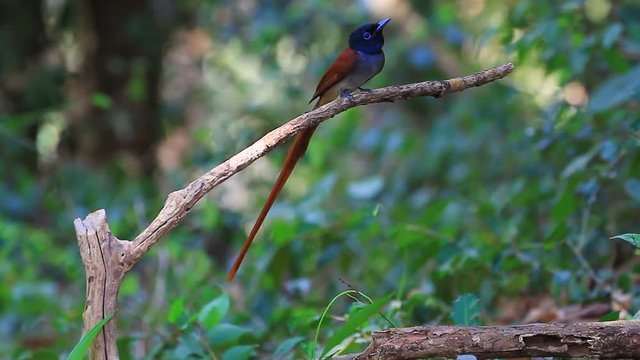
350, 327
466, 310
463, 207
82, 347
633, 239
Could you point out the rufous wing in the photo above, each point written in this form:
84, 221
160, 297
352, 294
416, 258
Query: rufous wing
344, 63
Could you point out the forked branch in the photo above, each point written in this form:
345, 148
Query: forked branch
107, 259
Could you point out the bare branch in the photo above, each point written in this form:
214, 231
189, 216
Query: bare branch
180, 202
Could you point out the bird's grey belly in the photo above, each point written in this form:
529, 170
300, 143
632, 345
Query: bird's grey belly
367, 67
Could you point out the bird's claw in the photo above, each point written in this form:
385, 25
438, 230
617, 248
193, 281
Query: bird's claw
364, 89
346, 94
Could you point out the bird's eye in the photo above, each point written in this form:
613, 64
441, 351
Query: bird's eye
366, 36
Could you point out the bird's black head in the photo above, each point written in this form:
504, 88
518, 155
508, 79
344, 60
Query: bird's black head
368, 38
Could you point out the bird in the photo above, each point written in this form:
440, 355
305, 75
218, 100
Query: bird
354, 66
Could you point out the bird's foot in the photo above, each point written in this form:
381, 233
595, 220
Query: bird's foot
364, 89
345, 94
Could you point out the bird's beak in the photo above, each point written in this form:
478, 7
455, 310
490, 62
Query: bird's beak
381, 24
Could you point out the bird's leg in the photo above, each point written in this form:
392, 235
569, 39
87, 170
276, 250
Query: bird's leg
364, 89
346, 94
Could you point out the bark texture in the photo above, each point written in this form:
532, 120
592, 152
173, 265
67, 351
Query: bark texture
605, 340
102, 255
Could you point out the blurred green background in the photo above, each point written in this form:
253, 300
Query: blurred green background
500, 199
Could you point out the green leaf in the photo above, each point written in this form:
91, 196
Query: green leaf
564, 206
226, 334
615, 91
636, 316
211, 314
286, 346
283, 231
188, 348
580, 163
558, 234
130, 285
82, 347
612, 316
355, 321
632, 188
176, 309
611, 34
101, 100
42, 355
633, 239
240, 352
137, 88
210, 217
466, 310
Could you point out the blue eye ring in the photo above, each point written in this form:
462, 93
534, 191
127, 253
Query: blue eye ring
366, 36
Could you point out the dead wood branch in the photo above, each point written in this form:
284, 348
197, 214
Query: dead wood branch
604, 340
107, 259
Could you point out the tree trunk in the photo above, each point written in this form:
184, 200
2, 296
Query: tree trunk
122, 42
